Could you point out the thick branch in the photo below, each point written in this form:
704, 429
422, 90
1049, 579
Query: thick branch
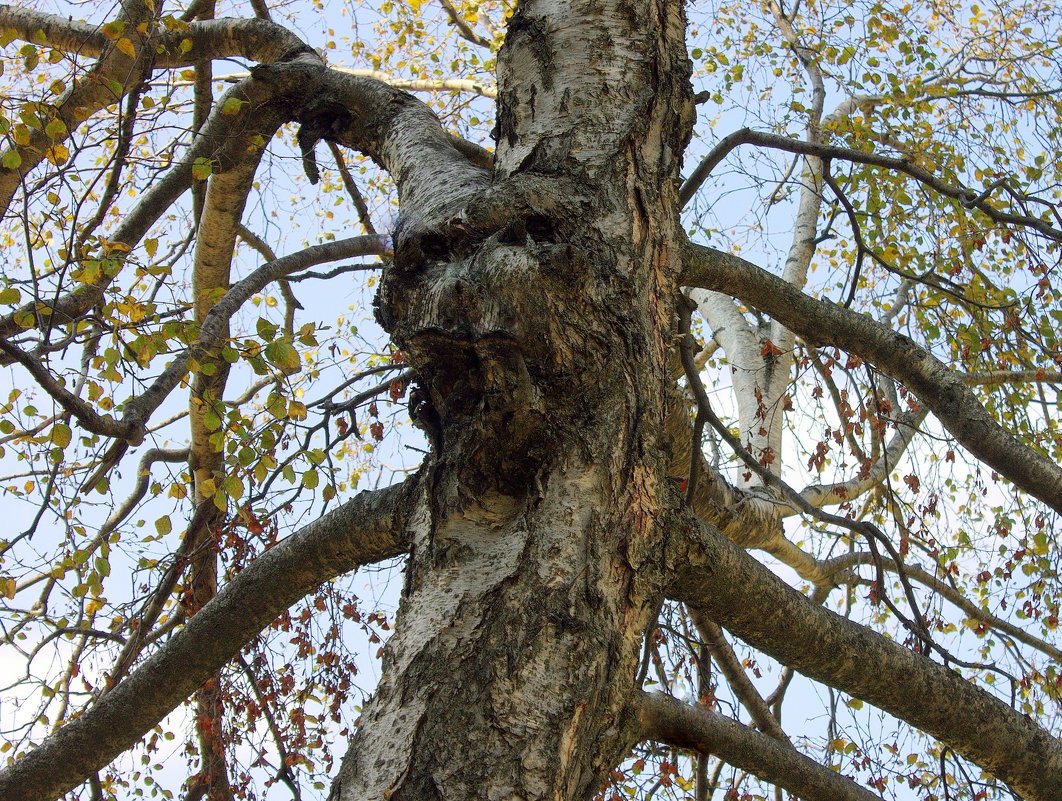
726, 584
258, 40
435, 177
366, 529
436, 172
998, 377
670, 721
942, 390
462, 26
54, 30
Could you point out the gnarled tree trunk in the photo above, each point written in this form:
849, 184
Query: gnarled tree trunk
538, 315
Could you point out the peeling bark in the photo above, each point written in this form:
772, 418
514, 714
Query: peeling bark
537, 316
534, 295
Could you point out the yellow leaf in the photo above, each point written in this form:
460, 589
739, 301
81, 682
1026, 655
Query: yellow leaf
296, 410
58, 155
112, 30
126, 47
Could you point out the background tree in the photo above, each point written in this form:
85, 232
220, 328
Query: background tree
823, 470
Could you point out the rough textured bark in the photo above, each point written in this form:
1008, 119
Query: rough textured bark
538, 321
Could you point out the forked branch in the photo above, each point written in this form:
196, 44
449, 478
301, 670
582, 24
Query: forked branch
722, 581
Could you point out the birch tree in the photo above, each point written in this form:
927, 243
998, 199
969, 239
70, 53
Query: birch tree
729, 330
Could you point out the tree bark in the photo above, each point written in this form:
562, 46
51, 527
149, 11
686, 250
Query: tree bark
535, 299
538, 318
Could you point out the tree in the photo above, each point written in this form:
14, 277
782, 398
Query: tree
562, 332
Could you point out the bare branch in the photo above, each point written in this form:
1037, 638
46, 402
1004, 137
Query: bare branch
258, 40
352, 189
126, 429
463, 27
62, 33
836, 571
731, 668
968, 198
997, 377
820, 495
261, 10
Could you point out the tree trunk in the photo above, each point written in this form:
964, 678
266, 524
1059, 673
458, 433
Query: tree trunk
539, 319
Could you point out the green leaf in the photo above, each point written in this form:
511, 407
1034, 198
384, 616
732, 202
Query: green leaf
202, 168
55, 129
163, 525
283, 354
276, 405
233, 487
266, 329
61, 435
11, 160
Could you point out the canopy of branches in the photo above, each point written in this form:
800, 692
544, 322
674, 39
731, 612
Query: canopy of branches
848, 350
